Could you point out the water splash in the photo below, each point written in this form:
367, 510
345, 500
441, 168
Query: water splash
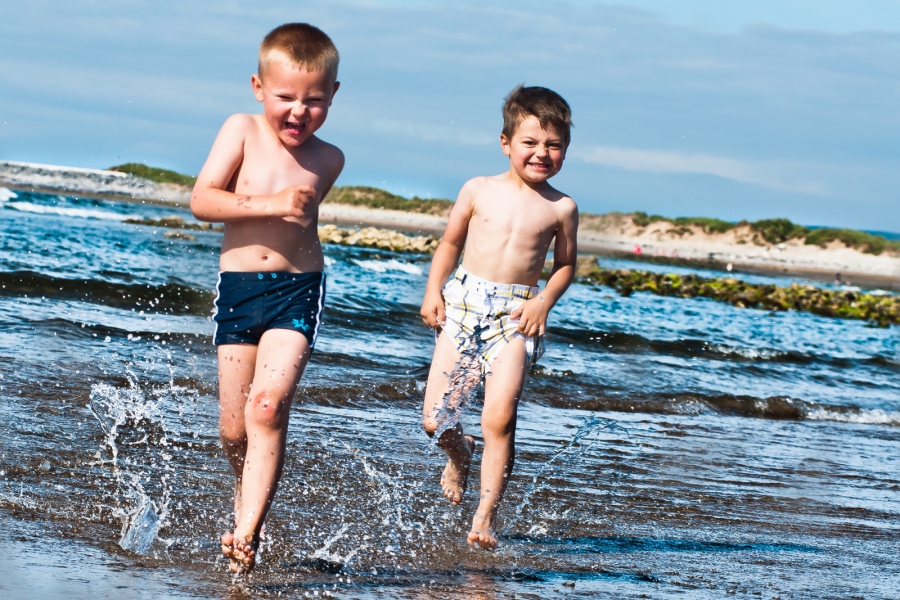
579, 444
133, 412
463, 382
141, 523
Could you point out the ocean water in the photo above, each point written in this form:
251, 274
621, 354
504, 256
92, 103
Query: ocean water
666, 448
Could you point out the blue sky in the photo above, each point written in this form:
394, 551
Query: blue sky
783, 108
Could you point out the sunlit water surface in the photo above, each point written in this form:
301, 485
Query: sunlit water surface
666, 447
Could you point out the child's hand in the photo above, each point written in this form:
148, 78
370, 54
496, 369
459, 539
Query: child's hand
532, 316
293, 202
432, 311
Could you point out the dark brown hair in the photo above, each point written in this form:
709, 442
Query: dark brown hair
301, 45
548, 106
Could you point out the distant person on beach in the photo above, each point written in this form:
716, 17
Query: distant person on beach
491, 314
264, 178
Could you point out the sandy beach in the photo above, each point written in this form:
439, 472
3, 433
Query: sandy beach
662, 242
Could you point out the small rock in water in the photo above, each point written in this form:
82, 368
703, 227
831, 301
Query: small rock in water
179, 235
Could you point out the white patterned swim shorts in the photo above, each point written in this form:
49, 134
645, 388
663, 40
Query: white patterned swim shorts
478, 318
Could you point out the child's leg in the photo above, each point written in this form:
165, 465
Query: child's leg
281, 357
502, 388
236, 365
458, 447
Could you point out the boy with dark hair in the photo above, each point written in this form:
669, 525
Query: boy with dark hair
264, 178
491, 314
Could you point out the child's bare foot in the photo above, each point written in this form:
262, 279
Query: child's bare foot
242, 554
482, 535
228, 550
456, 474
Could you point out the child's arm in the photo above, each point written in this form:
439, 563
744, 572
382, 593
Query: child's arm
211, 200
533, 314
446, 257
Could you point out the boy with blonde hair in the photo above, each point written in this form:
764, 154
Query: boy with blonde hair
264, 178
490, 314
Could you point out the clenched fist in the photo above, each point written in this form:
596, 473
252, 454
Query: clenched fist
294, 202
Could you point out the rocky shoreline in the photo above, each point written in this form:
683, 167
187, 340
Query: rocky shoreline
880, 310
367, 237
737, 250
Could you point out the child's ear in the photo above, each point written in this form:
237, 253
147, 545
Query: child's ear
504, 144
256, 84
334, 90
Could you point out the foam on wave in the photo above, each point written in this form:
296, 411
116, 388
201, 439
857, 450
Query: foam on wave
383, 266
78, 213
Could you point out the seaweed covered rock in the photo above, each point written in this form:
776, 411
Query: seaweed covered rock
879, 310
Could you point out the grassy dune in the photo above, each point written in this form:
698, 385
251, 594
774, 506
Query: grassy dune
776, 231
155, 174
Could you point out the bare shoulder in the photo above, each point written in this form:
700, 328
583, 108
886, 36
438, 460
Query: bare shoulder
328, 156
241, 123
562, 203
475, 186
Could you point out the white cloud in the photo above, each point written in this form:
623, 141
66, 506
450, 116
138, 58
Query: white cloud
769, 175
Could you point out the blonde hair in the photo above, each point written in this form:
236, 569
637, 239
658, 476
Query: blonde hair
548, 106
302, 46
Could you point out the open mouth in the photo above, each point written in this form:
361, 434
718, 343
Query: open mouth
294, 128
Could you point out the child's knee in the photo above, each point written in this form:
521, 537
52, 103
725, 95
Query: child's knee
265, 409
232, 434
498, 425
430, 425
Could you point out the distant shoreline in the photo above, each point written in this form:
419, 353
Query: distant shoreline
660, 243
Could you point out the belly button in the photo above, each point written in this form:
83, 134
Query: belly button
265, 257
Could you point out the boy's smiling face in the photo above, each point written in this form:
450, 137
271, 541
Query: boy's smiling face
295, 101
535, 154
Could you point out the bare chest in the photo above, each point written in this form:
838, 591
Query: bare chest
270, 170
508, 220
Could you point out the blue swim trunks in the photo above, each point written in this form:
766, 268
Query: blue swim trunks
250, 303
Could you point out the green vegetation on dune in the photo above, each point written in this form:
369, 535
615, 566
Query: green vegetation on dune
376, 198
155, 174
709, 225
867, 242
776, 231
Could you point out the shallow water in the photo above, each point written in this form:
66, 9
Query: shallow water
666, 447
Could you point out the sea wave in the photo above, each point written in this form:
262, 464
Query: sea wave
169, 298
777, 408
7, 194
383, 266
619, 341
874, 416
79, 213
